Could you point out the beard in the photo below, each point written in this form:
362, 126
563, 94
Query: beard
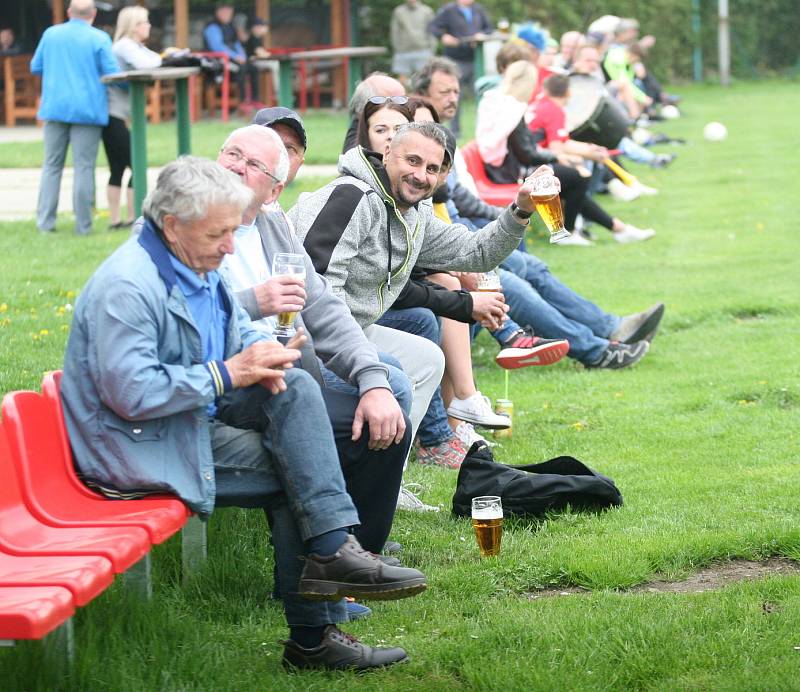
422, 193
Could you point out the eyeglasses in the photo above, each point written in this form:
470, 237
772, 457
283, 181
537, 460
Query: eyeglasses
234, 154
397, 100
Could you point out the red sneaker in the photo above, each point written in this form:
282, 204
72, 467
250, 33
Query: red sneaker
524, 349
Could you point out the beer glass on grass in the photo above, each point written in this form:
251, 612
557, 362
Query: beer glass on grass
287, 263
487, 520
544, 194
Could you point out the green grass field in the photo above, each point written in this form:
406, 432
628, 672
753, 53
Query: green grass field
701, 437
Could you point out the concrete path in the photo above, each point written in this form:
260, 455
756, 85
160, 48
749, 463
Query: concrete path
19, 188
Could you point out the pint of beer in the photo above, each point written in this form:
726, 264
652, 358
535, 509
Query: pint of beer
487, 520
489, 282
287, 263
548, 205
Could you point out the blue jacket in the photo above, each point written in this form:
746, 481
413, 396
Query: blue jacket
71, 58
135, 387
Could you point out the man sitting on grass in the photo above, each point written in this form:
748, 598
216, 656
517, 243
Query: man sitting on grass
168, 388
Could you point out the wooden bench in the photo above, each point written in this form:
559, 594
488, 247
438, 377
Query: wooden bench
21, 89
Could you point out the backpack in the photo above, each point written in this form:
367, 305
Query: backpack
532, 490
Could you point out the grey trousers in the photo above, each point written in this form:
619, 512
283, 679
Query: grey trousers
85, 140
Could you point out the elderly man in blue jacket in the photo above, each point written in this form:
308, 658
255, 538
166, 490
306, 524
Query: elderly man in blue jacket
167, 387
71, 58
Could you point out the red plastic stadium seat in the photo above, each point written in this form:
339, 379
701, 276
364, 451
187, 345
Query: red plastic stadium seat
23, 534
31, 612
85, 577
489, 192
51, 490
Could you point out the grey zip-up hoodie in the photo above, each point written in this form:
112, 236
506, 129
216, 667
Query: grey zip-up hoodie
358, 239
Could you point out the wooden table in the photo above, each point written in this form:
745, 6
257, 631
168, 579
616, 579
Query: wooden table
353, 54
138, 79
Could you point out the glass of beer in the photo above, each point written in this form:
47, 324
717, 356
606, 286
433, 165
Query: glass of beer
487, 520
548, 205
287, 263
490, 281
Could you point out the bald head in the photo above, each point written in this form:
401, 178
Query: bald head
377, 84
81, 9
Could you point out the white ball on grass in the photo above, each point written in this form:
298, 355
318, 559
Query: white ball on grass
670, 112
715, 132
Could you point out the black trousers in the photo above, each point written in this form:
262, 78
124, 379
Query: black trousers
574, 199
117, 143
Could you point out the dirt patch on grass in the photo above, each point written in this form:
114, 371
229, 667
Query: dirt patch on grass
707, 579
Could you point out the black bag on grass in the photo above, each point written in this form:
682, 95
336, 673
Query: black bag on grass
531, 490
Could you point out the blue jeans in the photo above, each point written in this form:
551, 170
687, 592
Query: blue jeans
267, 455
538, 299
434, 429
398, 381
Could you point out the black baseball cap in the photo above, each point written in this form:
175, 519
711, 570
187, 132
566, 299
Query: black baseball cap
279, 114
450, 144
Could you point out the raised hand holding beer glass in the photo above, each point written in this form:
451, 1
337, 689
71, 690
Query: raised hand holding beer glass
487, 520
544, 193
283, 264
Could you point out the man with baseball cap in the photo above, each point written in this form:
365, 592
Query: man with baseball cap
290, 129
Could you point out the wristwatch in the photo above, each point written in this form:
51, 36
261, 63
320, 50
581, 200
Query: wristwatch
519, 213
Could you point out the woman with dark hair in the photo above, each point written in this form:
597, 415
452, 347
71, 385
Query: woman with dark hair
380, 119
422, 110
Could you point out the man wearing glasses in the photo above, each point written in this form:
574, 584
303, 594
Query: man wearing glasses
372, 434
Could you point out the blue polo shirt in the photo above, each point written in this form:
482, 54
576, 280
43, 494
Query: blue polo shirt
207, 309
71, 58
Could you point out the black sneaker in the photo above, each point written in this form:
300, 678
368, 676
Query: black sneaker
339, 651
352, 571
641, 326
619, 355
663, 160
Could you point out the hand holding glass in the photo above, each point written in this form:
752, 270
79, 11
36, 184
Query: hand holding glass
487, 520
294, 264
544, 193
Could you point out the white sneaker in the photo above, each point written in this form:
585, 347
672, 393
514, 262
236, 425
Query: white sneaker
621, 191
466, 433
409, 501
643, 189
631, 234
575, 238
478, 411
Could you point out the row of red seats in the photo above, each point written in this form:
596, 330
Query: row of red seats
60, 543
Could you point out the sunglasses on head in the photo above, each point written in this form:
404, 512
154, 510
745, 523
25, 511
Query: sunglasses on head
397, 100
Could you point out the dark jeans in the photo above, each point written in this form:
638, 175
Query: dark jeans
277, 452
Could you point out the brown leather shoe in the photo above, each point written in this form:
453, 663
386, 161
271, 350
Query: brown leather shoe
339, 651
352, 571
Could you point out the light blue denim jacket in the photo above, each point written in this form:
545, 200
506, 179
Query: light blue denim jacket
135, 387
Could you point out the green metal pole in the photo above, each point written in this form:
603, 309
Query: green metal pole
182, 116
697, 53
138, 146
355, 75
478, 60
285, 84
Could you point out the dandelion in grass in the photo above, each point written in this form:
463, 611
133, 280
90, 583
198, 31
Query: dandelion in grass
3, 307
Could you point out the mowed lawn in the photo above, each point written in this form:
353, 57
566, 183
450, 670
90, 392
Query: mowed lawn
701, 437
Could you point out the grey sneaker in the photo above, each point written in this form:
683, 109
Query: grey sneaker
621, 355
352, 571
641, 326
339, 651
408, 500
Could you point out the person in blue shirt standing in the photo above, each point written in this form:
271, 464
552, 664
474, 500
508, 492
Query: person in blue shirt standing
71, 58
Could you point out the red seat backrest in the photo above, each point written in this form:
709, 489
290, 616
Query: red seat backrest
489, 192
10, 493
35, 441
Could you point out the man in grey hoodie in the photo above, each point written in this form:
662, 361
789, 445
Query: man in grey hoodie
366, 230
369, 427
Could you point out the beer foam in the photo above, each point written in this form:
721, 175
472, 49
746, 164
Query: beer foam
488, 513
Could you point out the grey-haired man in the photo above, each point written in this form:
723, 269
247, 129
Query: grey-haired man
167, 387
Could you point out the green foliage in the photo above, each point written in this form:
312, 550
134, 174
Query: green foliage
701, 437
764, 32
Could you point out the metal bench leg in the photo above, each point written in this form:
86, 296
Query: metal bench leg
59, 648
138, 578
194, 546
